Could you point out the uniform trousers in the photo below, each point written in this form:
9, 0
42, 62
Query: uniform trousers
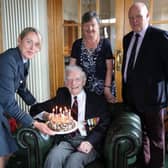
8, 143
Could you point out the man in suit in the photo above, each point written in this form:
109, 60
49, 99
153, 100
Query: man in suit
13, 80
145, 82
77, 150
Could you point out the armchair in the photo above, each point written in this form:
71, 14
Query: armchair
122, 143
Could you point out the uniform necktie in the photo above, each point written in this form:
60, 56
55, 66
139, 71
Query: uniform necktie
132, 56
75, 109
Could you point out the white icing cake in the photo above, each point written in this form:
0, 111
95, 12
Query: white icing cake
61, 123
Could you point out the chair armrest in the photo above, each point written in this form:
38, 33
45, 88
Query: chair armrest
123, 140
36, 144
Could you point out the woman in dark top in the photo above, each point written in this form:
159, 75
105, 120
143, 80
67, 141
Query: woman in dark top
94, 55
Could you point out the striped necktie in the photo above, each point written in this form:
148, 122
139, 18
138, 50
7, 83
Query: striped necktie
75, 109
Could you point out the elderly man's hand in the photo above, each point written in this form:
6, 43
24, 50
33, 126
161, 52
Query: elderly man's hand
85, 147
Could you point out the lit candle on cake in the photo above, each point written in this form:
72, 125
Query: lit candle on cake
65, 110
53, 111
56, 109
62, 114
51, 115
69, 113
60, 110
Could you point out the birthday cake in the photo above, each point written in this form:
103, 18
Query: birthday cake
61, 123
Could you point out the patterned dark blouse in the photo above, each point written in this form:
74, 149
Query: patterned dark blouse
93, 62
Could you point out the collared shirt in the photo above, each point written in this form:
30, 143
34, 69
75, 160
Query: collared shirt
81, 98
24, 60
140, 39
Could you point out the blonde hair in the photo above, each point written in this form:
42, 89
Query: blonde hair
27, 30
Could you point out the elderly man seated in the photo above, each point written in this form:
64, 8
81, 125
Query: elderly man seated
77, 149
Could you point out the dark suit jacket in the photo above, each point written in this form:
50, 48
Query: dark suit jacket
148, 84
13, 80
95, 107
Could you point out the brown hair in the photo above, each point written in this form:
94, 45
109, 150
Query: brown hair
89, 16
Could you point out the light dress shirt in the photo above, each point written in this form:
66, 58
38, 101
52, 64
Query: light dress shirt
128, 54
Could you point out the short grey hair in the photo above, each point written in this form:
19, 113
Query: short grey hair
70, 68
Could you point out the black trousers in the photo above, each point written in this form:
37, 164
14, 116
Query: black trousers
152, 154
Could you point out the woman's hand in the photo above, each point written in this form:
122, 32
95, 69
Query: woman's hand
43, 128
109, 97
